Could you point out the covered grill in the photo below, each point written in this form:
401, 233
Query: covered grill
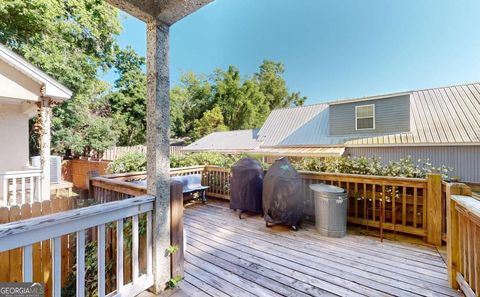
246, 186
282, 195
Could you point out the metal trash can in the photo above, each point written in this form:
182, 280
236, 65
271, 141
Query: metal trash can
330, 210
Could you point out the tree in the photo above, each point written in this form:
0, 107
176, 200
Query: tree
189, 100
83, 126
71, 41
128, 101
244, 102
274, 87
211, 121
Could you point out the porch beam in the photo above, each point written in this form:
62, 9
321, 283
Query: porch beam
158, 143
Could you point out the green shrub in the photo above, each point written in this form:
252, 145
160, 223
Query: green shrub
207, 158
405, 167
129, 162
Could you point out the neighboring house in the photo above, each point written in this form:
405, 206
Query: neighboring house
440, 124
24, 91
231, 142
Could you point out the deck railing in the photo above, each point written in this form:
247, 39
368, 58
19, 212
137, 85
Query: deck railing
409, 205
25, 236
463, 239
20, 187
392, 203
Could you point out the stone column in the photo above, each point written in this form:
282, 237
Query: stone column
158, 142
45, 138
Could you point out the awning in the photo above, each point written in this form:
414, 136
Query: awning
301, 151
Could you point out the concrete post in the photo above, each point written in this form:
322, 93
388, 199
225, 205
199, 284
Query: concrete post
158, 135
45, 138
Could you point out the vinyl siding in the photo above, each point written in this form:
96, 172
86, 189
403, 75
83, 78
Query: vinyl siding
463, 159
392, 115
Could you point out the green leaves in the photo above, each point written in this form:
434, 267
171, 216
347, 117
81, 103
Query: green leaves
244, 103
404, 167
129, 162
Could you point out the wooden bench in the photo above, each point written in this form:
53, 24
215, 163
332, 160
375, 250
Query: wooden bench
192, 184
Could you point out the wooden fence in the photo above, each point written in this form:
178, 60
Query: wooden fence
11, 261
463, 239
46, 248
113, 153
408, 205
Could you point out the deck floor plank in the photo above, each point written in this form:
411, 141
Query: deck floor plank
231, 257
325, 263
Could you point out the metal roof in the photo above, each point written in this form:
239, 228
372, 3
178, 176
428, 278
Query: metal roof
439, 116
226, 142
305, 125
302, 151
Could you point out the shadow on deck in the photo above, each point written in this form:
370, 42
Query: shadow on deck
231, 257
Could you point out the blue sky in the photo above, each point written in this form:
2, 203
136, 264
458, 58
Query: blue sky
331, 49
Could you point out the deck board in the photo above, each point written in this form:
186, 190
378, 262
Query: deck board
226, 256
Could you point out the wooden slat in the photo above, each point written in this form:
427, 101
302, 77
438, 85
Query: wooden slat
119, 262
415, 209
101, 260
404, 206
211, 232
47, 254
4, 256
27, 264
135, 245
80, 275
57, 267
16, 254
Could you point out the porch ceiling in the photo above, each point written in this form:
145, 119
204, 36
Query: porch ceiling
165, 11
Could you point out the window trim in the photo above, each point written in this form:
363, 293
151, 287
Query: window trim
357, 118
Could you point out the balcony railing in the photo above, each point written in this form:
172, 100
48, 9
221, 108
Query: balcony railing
26, 235
463, 239
20, 187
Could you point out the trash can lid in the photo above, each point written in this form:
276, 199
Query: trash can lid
326, 188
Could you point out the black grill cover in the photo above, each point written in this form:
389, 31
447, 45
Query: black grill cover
246, 186
282, 194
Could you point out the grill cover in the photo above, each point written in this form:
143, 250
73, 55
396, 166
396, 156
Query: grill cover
246, 186
282, 194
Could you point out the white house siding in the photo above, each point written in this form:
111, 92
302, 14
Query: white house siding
464, 159
13, 138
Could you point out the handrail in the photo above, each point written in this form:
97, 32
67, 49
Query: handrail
378, 179
21, 173
463, 235
25, 234
20, 187
29, 231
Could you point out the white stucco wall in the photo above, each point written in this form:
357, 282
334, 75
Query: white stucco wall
13, 137
16, 85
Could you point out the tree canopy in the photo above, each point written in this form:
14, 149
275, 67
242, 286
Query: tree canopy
244, 103
76, 41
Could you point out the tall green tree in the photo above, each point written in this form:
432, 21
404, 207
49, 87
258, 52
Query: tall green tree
71, 41
245, 102
189, 100
273, 86
211, 121
128, 101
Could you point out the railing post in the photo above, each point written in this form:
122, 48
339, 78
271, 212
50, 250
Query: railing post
434, 209
176, 231
453, 239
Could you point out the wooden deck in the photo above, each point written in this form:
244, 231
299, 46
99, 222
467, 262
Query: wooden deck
231, 257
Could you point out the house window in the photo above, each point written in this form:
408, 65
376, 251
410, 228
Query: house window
365, 117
